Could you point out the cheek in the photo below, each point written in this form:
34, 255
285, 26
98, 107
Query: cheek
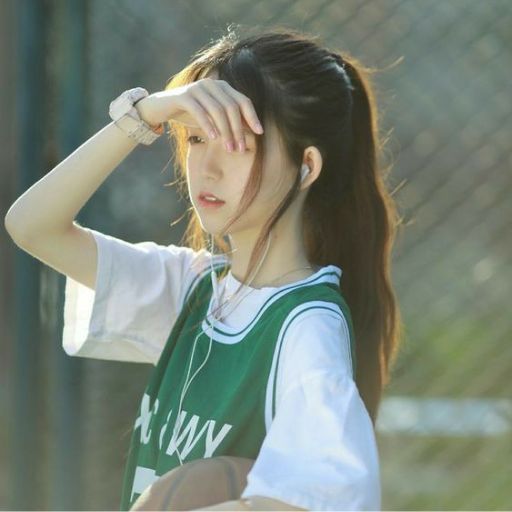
237, 184
191, 162
273, 188
193, 172
276, 179
263, 205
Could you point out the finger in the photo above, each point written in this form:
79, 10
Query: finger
199, 113
232, 107
234, 133
248, 110
215, 111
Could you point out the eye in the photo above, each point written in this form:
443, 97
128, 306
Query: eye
189, 139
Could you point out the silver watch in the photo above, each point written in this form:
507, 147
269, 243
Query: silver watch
126, 117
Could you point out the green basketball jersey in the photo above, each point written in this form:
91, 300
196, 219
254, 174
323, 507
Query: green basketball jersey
230, 403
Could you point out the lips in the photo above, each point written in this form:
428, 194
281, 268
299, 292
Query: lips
203, 195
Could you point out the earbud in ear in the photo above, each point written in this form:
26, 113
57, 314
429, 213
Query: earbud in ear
304, 171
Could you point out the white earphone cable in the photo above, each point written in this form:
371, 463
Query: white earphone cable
304, 171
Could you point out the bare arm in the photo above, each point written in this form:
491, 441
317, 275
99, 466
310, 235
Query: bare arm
52, 203
41, 220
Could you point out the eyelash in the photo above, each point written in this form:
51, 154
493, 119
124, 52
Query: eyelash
193, 137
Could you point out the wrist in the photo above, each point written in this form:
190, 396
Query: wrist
144, 108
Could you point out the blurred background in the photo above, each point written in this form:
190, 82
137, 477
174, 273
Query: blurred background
444, 428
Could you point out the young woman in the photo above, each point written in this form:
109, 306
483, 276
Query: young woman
262, 351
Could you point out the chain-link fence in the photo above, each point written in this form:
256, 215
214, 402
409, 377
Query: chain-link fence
444, 429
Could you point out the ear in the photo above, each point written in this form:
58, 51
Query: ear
313, 159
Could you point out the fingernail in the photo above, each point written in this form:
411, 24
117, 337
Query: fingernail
229, 146
241, 146
213, 134
259, 128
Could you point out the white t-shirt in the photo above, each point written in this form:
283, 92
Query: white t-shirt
320, 452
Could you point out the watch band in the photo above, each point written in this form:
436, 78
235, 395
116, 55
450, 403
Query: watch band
126, 117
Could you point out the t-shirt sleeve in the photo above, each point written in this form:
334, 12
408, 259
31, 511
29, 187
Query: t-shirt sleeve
320, 451
139, 291
315, 339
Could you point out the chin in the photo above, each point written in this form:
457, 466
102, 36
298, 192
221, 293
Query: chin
213, 224
210, 226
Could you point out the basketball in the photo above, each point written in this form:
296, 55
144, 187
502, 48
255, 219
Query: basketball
198, 483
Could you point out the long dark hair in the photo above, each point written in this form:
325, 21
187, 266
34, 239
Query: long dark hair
320, 97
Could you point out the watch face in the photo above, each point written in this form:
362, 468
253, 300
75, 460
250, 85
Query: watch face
120, 106
136, 94
125, 101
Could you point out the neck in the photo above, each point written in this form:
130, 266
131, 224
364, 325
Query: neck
285, 254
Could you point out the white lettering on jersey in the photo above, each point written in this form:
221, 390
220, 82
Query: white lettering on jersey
213, 442
144, 418
189, 429
143, 478
163, 429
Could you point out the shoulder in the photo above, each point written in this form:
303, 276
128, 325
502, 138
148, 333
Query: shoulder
149, 252
148, 264
318, 338
189, 263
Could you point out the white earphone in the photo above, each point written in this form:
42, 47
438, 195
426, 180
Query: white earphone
304, 171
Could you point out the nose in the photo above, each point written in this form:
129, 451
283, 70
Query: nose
211, 161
